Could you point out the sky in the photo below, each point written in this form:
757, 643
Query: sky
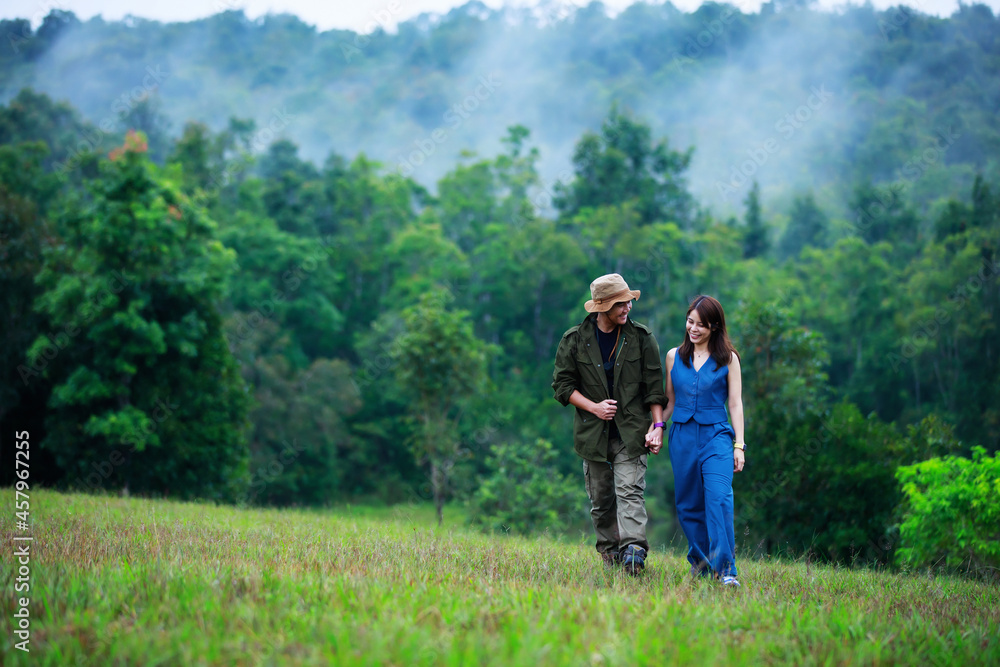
358, 15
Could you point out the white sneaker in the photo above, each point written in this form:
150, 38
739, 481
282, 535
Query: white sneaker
730, 580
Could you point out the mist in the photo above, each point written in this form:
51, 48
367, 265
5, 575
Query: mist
785, 101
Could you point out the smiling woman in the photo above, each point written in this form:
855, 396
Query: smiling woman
706, 444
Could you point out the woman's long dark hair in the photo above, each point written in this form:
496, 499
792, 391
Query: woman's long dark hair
719, 346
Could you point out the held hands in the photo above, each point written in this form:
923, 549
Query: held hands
654, 439
739, 459
606, 409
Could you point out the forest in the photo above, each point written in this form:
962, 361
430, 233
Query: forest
272, 310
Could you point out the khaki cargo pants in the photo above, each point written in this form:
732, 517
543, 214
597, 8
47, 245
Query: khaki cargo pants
618, 509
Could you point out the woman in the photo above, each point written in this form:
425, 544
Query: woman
706, 446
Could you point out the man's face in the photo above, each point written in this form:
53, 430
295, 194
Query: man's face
619, 312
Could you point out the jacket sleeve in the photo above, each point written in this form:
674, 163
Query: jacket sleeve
565, 376
653, 389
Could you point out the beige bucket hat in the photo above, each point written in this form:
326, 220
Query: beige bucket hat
608, 290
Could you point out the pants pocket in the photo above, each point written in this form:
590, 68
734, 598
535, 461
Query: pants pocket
640, 472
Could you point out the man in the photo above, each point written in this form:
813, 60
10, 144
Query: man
609, 368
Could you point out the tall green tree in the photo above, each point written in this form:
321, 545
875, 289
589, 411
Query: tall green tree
439, 362
881, 214
755, 240
146, 394
808, 226
622, 164
291, 188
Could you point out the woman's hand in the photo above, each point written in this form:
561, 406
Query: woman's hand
739, 459
654, 439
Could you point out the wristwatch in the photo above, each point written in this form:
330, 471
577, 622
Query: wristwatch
740, 445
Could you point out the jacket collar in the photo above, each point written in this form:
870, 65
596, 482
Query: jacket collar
589, 330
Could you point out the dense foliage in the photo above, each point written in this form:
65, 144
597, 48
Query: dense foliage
951, 516
211, 314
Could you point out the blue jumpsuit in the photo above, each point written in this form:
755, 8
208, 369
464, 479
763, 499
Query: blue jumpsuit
701, 452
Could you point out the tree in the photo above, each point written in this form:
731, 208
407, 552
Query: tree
848, 291
525, 493
195, 152
33, 116
146, 394
755, 242
27, 194
285, 279
301, 452
881, 214
808, 227
368, 210
439, 361
291, 188
622, 165
984, 205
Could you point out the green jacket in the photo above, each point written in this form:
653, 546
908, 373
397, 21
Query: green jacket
638, 384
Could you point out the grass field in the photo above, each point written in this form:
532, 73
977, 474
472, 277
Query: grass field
140, 582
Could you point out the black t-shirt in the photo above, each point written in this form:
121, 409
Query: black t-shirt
607, 342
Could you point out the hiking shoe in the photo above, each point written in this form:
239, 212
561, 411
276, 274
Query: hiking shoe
730, 580
611, 559
634, 559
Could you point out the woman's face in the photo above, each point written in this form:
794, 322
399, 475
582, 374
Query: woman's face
697, 330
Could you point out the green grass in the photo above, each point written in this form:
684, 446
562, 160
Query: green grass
140, 582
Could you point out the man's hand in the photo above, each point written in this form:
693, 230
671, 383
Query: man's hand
606, 409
